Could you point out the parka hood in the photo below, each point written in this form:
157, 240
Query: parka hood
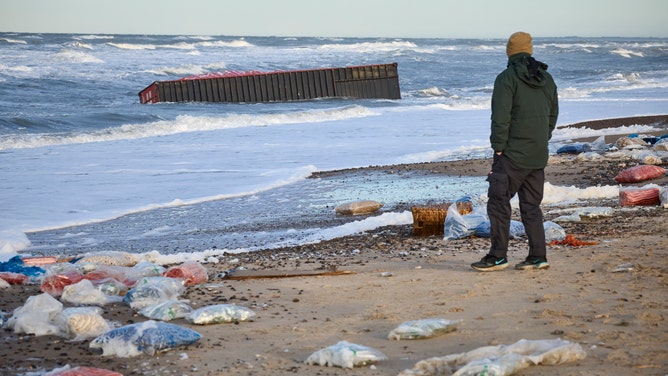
528, 69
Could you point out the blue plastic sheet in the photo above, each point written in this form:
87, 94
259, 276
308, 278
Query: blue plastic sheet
16, 265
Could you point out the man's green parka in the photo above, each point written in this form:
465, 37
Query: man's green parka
524, 112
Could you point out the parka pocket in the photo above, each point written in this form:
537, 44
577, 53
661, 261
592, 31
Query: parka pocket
498, 185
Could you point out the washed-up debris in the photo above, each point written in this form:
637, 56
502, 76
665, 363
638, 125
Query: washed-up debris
192, 272
153, 290
262, 274
14, 278
572, 241
345, 355
640, 173
44, 315
633, 196
166, 311
500, 360
220, 313
81, 371
628, 267
17, 265
425, 328
148, 337
111, 258
358, 207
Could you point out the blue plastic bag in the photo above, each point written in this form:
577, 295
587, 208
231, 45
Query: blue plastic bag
147, 337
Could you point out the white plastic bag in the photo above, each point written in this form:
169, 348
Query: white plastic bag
84, 293
425, 328
220, 313
153, 290
36, 316
457, 226
166, 311
345, 355
80, 323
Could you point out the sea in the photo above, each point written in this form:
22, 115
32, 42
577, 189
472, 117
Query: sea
85, 167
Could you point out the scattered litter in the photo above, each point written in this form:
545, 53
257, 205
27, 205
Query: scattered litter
81, 371
4, 284
425, 328
149, 337
358, 207
111, 258
628, 267
80, 323
55, 280
639, 196
85, 293
166, 311
220, 313
386, 274
345, 355
36, 316
14, 278
192, 272
153, 290
640, 173
16, 265
572, 241
458, 226
500, 360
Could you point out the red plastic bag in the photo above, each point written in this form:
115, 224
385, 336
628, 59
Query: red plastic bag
55, 283
639, 196
640, 173
192, 271
14, 278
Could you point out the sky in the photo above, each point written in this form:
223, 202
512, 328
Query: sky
340, 18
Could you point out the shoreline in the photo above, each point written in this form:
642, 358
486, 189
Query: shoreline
619, 318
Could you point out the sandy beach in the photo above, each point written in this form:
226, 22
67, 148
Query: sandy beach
617, 315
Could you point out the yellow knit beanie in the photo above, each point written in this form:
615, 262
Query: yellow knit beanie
519, 42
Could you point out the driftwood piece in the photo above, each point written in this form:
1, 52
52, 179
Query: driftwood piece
262, 274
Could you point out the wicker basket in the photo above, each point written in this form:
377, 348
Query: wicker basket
430, 220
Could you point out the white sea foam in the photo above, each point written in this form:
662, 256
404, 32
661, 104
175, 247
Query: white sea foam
68, 55
183, 124
627, 53
15, 41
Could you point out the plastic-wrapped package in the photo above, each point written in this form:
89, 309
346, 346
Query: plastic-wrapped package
80, 323
640, 173
36, 316
119, 273
14, 278
54, 281
84, 293
144, 269
553, 231
502, 360
4, 284
484, 229
111, 258
147, 337
166, 311
345, 355
153, 290
220, 313
81, 371
17, 265
110, 286
459, 226
191, 271
639, 196
425, 328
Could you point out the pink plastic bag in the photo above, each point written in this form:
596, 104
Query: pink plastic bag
639, 196
192, 271
640, 173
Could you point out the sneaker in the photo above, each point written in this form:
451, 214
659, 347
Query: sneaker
533, 263
490, 263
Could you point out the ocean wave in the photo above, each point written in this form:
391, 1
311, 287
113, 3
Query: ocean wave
626, 53
365, 47
14, 41
188, 70
181, 45
182, 124
93, 37
68, 55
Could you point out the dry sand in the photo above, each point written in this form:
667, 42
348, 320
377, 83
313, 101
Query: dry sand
619, 318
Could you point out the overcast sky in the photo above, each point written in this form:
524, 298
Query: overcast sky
344, 18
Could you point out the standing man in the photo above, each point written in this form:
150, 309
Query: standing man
524, 114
